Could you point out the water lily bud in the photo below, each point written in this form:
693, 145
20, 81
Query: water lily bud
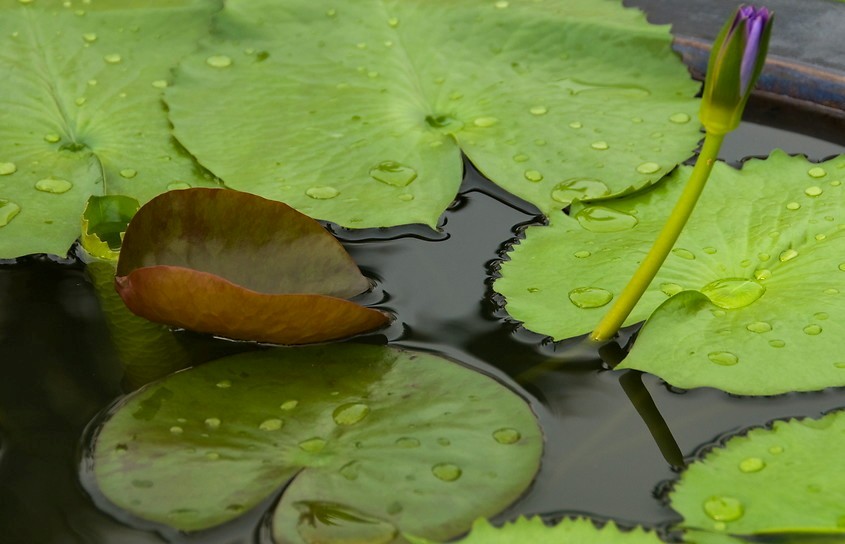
736, 61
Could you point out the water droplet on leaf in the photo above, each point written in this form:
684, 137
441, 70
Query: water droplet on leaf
322, 192
679, 118
7, 168
407, 442
603, 219
581, 188
723, 508
590, 297
112, 58
446, 472
812, 330
600, 145
289, 405
684, 253
272, 424
53, 185
732, 293
313, 445
752, 464
393, 173
351, 413
506, 435
533, 175
723, 358
670, 289
539, 110
218, 61
128, 173
817, 172
484, 122
759, 327
813, 191
212, 423
648, 168
787, 255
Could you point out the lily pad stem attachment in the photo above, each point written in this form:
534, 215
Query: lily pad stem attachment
631, 294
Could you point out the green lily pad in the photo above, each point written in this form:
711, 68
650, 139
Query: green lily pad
240, 266
762, 251
358, 113
341, 424
83, 113
783, 479
104, 222
533, 530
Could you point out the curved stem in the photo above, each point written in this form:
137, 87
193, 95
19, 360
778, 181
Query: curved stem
641, 279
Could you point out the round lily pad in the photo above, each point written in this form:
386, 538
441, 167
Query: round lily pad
369, 441
756, 278
787, 479
358, 113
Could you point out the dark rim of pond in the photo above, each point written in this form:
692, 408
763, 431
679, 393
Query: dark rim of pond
614, 441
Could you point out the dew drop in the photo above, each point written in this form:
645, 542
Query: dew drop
8, 211
709, 250
53, 185
684, 253
793, 206
581, 188
224, 384
272, 424
762, 274
603, 219
670, 289
752, 464
393, 173
506, 435
817, 172
533, 175
590, 297
575, 124
723, 358
128, 173
732, 293
7, 168
813, 190
52, 138
812, 330
484, 122
212, 456
777, 343
160, 84
331, 12
312, 445
581, 254
723, 508
89, 37
520, 157
176, 430
351, 413
601, 145
177, 185
393, 22
324, 192
648, 168
776, 450
212, 423
218, 61
289, 405
501, 4
112, 58
406, 197
679, 118
759, 327
539, 110
446, 471
787, 255
407, 442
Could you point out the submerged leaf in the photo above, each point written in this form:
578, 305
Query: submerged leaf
240, 266
763, 251
358, 113
83, 113
784, 479
534, 531
104, 222
343, 422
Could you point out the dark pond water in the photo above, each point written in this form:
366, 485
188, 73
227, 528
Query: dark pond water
59, 370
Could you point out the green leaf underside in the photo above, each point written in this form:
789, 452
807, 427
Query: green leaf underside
568, 531
344, 422
787, 479
83, 115
358, 113
774, 227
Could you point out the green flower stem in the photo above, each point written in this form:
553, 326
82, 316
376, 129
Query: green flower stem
644, 275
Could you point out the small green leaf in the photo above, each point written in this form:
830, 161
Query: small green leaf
783, 479
358, 113
533, 530
104, 222
82, 111
763, 252
341, 424
240, 266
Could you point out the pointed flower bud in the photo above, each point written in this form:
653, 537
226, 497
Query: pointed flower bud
736, 61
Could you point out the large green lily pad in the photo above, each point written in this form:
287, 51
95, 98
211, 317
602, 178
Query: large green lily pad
358, 113
568, 531
762, 250
241, 266
373, 442
82, 110
783, 479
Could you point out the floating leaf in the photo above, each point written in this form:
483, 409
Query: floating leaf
762, 250
240, 266
344, 422
104, 221
580, 530
83, 113
786, 479
358, 113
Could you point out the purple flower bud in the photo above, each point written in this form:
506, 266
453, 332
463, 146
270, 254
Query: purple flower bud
736, 61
